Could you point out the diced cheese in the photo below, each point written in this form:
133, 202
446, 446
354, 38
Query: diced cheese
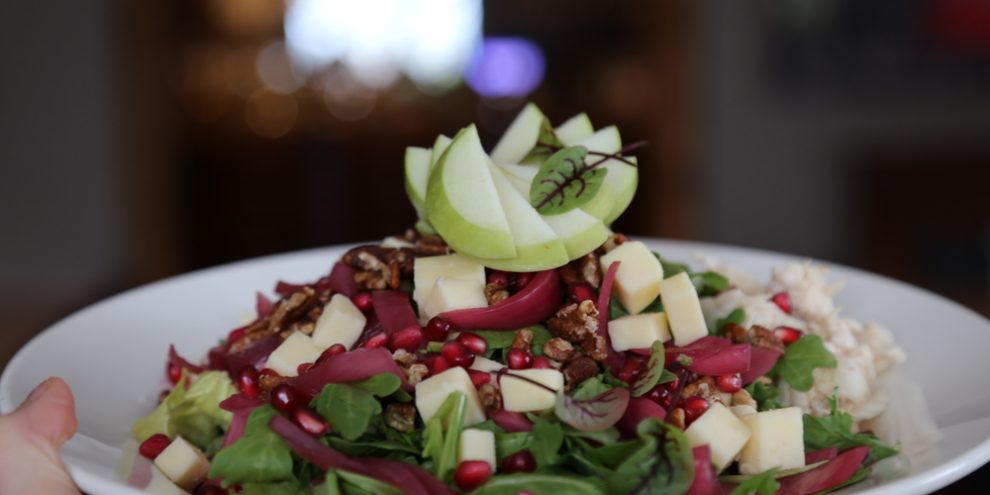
427, 270
637, 281
638, 331
742, 410
722, 431
777, 441
161, 485
680, 301
454, 293
477, 445
183, 463
340, 323
482, 363
297, 349
431, 393
520, 395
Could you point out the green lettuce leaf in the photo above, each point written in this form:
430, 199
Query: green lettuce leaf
193, 413
764, 483
350, 407
260, 456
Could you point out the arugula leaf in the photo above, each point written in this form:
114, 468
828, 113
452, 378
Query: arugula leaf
764, 483
835, 430
765, 395
260, 456
511, 484
801, 359
382, 384
660, 463
442, 447
547, 440
654, 371
737, 316
507, 444
565, 182
348, 408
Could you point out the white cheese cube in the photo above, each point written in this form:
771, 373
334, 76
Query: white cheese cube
431, 393
520, 395
638, 331
297, 349
427, 270
777, 441
161, 485
722, 431
637, 281
680, 301
454, 293
743, 410
183, 463
482, 363
340, 323
477, 445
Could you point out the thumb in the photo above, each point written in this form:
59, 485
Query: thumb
48, 415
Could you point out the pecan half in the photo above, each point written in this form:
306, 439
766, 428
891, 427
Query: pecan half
416, 372
490, 396
400, 416
578, 371
595, 348
582, 270
523, 340
560, 350
676, 418
495, 293
575, 322
756, 335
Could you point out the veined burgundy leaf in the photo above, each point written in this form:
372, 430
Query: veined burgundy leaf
565, 181
654, 370
705, 482
639, 408
531, 305
613, 359
394, 310
595, 414
350, 366
263, 305
341, 280
241, 406
250, 356
829, 475
511, 422
174, 359
761, 361
821, 455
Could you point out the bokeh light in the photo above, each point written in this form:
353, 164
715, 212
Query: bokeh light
509, 67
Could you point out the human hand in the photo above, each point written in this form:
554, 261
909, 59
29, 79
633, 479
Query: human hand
30, 438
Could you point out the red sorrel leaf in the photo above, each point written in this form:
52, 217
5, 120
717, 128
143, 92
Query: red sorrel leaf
531, 305
654, 370
595, 414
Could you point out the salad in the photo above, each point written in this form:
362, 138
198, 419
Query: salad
513, 344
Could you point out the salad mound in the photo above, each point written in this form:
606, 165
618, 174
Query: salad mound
512, 344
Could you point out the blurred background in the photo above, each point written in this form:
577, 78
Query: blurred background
139, 140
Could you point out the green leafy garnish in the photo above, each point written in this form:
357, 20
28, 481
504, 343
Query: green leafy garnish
565, 181
500, 339
835, 430
659, 463
547, 440
511, 484
764, 483
737, 316
193, 413
546, 143
801, 359
260, 456
349, 407
590, 388
655, 371
439, 445
765, 395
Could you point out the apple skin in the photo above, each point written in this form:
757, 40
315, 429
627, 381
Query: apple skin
417, 168
580, 232
439, 146
462, 203
520, 137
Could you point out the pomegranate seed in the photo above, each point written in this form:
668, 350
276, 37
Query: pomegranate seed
499, 278
659, 394
474, 342
236, 334
374, 341
581, 292
334, 350
363, 301
730, 383
631, 370
437, 329
247, 381
783, 301
787, 335
303, 368
308, 420
154, 445
472, 474
437, 364
457, 354
519, 462
211, 490
174, 373
285, 398
518, 359
479, 378
540, 363
521, 280
694, 407
408, 338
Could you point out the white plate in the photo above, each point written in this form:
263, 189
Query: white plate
112, 354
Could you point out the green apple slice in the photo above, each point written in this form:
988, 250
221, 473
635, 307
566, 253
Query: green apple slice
521, 176
439, 146
580, 232
417, 175
462, 203
537, 245
621, 179
520, 137
574, 129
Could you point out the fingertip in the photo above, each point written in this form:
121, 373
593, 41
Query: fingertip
50, 411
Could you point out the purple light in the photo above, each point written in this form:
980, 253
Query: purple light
505, 67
